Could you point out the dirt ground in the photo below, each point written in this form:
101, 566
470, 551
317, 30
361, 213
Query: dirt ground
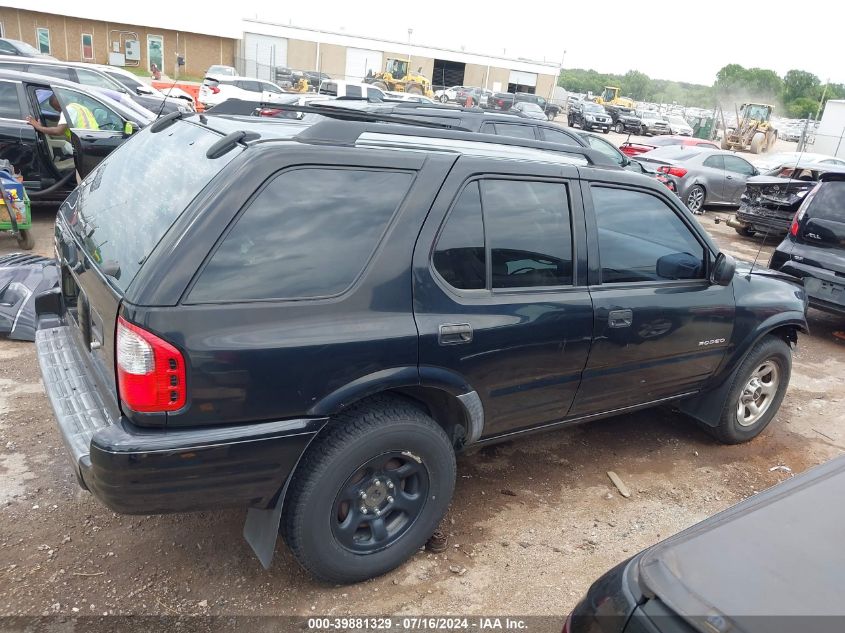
532, 524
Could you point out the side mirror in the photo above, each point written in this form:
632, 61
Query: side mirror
143, 90
723, 270
129, 128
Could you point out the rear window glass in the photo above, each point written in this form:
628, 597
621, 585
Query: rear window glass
829, 202
309, 233
126, 205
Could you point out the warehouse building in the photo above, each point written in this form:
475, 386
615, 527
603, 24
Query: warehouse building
85, 38
266, 45
256, 48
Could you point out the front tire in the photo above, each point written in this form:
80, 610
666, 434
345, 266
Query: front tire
444, 99
619, 128
746, 231
759, 385
369, 492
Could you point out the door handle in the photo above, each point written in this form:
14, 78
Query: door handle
454, 333
620, 318
729, 177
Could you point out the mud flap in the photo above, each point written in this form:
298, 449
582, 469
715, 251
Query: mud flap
707, 407
261, 529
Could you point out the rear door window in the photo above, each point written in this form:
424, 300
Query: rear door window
516, 131
353, 91
51, 71
715, 162
309, 233
10, 106
557, 136
90, 78
249, 86
120, 217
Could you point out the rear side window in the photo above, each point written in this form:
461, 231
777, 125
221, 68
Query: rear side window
516, 131
828, 203
556, 136
309, 233
716, 162
51, 71
119, 216
249, 86
10, 107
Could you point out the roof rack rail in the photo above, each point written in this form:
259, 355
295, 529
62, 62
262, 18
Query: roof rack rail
343, 130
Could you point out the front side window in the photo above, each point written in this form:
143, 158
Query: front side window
90, 78
309, 233
7, 49
738, 166
268, 87
88, 113
605, 148
641, 238
353, 91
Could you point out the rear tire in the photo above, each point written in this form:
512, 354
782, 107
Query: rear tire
746, 231
758, 143
366, 449
765, 373
605, 130
696, 199
619, 128
414, 89
444, 99
380, 85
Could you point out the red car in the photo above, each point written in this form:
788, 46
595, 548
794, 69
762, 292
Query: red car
632, 149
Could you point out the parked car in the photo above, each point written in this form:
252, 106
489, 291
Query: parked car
48, 163
138, 87
677, 125
814, 248
768, 162
701, 176
349, 89
624, 119
551, 109
447, 94
739, 570
91, 76
409, 97
770, 201
653, 123
321, 358
530, 110
483, 121
216, 89
222, 71
478, 96
630, 148
18, 48
589, 116
612, 152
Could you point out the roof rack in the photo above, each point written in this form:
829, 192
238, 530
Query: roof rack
342, 129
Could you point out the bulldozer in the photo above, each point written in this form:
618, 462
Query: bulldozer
610, 96
396, 77
753, 129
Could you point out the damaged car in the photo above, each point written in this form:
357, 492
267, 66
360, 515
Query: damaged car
770, 201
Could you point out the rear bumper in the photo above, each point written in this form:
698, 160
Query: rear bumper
765, 219
825, 290
137, 470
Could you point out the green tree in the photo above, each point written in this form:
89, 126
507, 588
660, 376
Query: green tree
802, 108
800, 83
636, 85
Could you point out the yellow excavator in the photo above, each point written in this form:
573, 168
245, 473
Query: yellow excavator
396, 77
753, 129
610, 96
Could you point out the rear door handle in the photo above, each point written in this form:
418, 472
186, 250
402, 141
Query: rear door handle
729, 177
454, 333
620, 318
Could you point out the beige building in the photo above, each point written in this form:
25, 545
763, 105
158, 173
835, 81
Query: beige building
255, 48
266, 46
85, 40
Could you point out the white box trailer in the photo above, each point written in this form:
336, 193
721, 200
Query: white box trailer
830, 136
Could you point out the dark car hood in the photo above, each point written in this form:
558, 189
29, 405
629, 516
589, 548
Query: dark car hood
744, 267
777, 553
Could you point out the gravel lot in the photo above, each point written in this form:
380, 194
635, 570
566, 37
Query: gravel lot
532, 524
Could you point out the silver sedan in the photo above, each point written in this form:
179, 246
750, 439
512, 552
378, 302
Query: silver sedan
701, 176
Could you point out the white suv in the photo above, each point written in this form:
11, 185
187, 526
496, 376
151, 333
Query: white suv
218, 88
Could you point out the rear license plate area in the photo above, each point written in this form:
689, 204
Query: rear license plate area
825, 290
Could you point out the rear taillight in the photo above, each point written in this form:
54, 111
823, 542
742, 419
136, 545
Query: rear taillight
150, 371
796, 221
269, 112
214, 89
501, 102
677, 172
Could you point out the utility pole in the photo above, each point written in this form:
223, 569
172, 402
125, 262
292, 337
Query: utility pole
821, 102
557, 78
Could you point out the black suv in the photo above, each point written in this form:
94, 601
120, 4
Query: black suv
223, 336
589, 116
814, 247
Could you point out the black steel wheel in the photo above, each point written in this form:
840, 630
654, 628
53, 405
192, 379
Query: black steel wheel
369, 492
379, 502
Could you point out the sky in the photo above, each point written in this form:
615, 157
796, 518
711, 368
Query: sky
679, 40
